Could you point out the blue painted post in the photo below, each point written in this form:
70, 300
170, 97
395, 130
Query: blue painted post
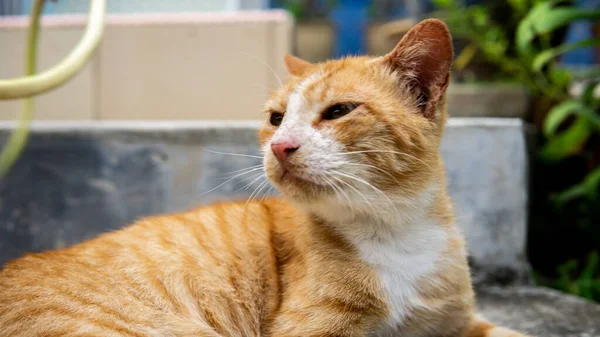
350, 21
577, 31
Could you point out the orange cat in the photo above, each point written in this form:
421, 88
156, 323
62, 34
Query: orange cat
363, 244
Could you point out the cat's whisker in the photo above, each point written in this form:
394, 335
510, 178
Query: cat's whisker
338, 189
242, 169
261, 189
261, 87
245, 171
250, 197
366, 165
350, 176
385, 151
255, 179
268, 66
255, 193
256, 190
353, 188
232, 154
223, 183
268, 193
243, 180
329, 184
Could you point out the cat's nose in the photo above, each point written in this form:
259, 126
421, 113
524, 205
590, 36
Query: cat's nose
284, 149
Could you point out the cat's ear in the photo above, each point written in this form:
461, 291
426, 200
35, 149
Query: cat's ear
295, 66
423, 58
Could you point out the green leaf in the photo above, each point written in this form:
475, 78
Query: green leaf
526, 29
588, 93
559, 76
481, 16
544, 18
519, 6
590, 268
464, 58
547, 55
571, 107
587, 188
565, 282
558, 114
444, 3
568, 142
295, 7
549, 20
571, 193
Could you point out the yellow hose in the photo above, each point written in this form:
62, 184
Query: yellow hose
31, 84
34, 85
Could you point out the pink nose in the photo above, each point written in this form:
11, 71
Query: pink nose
284, 149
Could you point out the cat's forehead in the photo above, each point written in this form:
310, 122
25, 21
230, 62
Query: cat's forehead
333, 81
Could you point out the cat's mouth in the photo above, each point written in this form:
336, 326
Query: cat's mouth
288, 175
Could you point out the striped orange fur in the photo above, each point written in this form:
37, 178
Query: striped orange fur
362, 244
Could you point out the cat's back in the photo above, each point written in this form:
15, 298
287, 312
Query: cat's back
212, 270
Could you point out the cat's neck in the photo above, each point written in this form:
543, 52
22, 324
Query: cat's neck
383, 218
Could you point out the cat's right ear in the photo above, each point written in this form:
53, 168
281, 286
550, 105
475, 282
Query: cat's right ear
424, 57
295, 66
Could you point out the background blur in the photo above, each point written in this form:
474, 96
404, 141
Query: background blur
219, 59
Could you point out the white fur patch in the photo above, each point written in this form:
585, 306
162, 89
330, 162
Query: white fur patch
402, 246
298, 108
402, 262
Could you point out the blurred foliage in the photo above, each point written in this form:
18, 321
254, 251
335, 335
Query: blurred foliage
575, 279
303, 9
580, 281
522, 40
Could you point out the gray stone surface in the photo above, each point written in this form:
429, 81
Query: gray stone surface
487, 100
486, 164
540, 312
76, 180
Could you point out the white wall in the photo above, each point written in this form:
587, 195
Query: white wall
165, 66
153, 6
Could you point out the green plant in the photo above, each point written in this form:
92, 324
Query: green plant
302, 9
491, 31
530, 57
572, 140
580, 281
475, 25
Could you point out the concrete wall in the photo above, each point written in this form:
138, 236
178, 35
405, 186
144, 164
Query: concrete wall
157, 66
78, 179
153, 6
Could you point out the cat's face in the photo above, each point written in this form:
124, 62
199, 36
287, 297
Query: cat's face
360, 129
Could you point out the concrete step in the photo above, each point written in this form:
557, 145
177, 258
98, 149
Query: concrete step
540, 311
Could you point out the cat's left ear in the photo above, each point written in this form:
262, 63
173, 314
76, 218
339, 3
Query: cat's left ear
423, 58
295, 66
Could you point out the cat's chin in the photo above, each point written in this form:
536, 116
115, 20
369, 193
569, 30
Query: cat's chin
299, 187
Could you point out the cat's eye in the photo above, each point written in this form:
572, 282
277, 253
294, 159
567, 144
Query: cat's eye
338, 110
276, 118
